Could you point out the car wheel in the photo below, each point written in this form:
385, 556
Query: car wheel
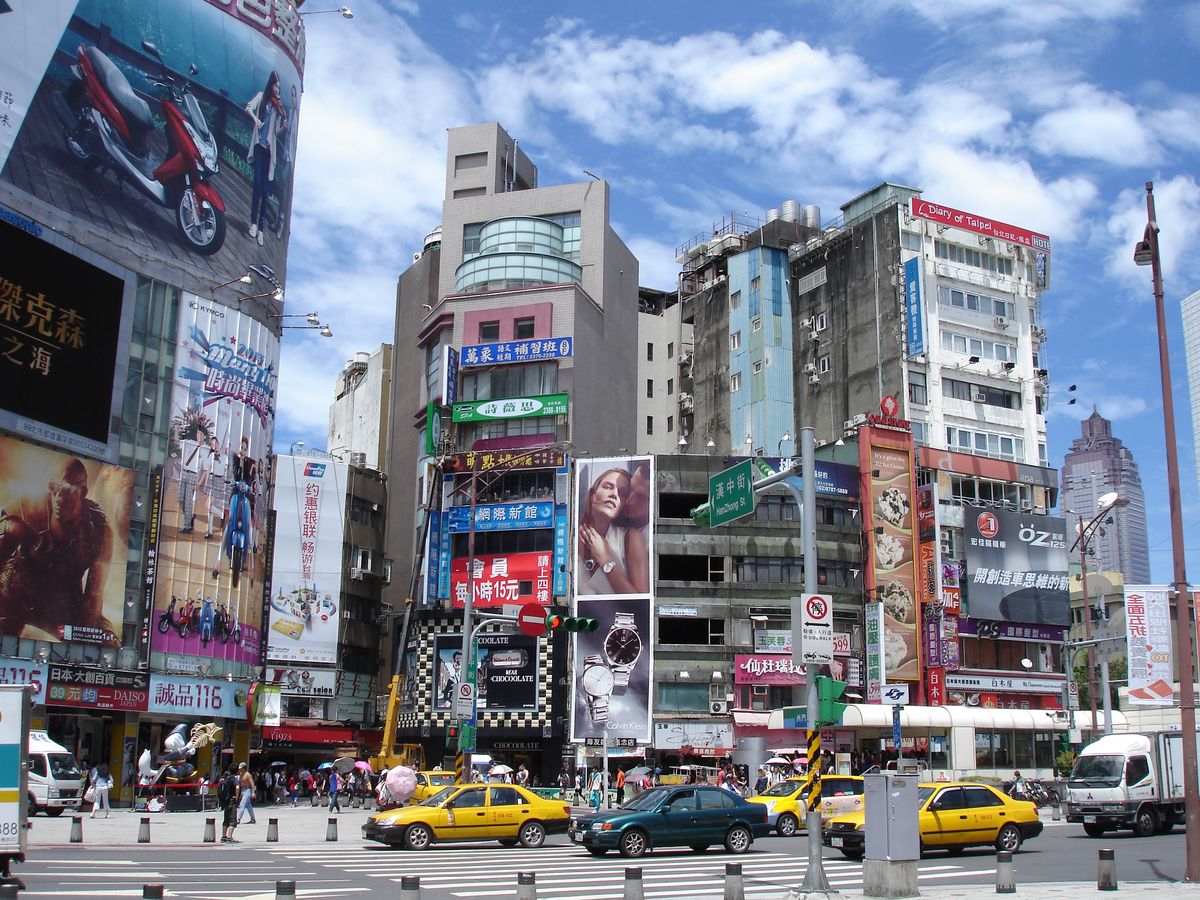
54, 811
1093, 830
533, 834
633, 843
700, 848
787, 825
1146, 822
852, 853
508, 842
738, 839
1009, 838
596, 851
418, 837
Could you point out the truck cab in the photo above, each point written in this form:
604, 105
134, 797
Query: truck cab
55, 781
1115, 784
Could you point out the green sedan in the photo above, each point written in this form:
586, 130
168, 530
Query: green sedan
676, 816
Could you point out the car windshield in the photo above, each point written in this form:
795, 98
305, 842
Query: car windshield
923, 794
646, 800
1099, 768
783, 789
439, 798
440, 780
63, 765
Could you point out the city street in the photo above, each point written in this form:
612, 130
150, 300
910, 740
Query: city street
176, 858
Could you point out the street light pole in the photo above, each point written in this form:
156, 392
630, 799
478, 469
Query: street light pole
1147, 252
1087, 623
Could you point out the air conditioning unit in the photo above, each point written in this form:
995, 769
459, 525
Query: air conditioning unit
356, 574
814, 379
719, 708
814, 335
759, 690
387, 573
1001, 322
806, 323
858, 419
1037, 331
978, 396
810, 367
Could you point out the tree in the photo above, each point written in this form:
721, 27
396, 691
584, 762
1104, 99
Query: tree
1118, 674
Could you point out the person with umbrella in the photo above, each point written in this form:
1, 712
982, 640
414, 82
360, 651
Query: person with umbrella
334, 785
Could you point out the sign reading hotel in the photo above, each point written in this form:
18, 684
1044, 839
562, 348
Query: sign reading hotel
513, 408
956, 218
506, 352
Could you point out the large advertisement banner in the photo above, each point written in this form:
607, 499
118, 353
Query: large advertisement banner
310, 517
167, 126
60, 323
506, 671
614, 531
505, 578
212, 535
886, 460
64, 537
1016, 567
1148, 639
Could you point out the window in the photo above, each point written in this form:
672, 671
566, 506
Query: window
468, 800
735, 382
755, 284
1136, 770
823, 364
970, 257
984, 349
649, 424
702, 631
920, 432
469, 161
489, 331
735, 340
682, 801
756, 325
978, 393
506, 796
649, 387
822, 322
682, 697
37, 764
910, 241
717, 799
992, 306
670, 350
523, 329
670, 386
649, 353
952, 798
735, 300
758, 367
998, 446
670, 424
918, 392
690, 567
979, 797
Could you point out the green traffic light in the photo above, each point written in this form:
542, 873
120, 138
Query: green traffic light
700, 516
829, 705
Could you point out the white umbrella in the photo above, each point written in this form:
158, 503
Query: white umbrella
778, 761
500, 770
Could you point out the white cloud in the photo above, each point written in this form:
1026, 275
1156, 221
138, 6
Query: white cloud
1028, 15
1094, 125
1177, 210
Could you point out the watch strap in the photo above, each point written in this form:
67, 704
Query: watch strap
621, 676
625, 620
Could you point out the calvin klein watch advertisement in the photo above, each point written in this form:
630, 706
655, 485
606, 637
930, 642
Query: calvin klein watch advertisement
613, 667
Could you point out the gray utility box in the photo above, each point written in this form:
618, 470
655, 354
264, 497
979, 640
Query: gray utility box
893, 831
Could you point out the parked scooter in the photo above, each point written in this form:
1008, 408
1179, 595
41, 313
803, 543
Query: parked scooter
207, 621
166, 618
236, 540
107, 124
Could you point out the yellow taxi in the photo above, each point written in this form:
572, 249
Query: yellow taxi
472, 812
429, 783
952, 816
786, 801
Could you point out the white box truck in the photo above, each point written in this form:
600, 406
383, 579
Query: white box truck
55, 781
1132, 780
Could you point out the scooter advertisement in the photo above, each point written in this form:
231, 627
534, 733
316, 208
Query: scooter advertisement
167, 126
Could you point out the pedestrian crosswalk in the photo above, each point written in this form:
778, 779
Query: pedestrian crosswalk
568, 872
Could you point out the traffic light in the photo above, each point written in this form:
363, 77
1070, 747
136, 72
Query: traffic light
555, 622
452, 732
829, 705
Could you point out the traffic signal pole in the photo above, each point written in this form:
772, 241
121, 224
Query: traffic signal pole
466, 735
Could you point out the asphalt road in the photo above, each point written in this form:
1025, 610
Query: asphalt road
564, 872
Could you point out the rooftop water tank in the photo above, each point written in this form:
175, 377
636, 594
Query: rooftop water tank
790, 211
772, 215
810, 216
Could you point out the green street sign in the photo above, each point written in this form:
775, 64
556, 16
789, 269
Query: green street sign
731, 493
511, 408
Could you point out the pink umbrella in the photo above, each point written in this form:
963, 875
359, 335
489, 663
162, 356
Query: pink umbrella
364, 765
401, 781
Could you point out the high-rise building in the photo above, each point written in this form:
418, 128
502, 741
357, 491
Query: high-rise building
1190, 308
360, 414
1098, 463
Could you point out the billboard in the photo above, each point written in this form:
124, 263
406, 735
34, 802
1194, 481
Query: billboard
60, 326
64, 538
1148, 645
165, 130
614, 666
914, 314
306, 582
503, 578
1016, 567
214, 506
886, 461
506, 674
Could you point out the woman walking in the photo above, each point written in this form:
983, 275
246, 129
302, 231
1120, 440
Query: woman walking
101, 786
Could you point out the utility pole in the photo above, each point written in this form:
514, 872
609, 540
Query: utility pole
1087, 623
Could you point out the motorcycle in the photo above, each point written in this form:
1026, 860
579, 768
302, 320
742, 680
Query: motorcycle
166, 619
207, 621
236, 539
188, 618
107, 124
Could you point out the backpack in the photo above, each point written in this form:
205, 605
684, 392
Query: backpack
227, 789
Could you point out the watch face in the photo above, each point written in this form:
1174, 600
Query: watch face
623, 646
598, 680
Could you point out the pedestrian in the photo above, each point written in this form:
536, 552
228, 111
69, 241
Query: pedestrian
579, 782
246, 785
597, 790
334, 784
522, 775
760, 783
293, 788
1017, 791
620, 786
227, 796
100, 788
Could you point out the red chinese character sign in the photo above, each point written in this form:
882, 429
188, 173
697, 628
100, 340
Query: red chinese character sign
504, 578
1148, 633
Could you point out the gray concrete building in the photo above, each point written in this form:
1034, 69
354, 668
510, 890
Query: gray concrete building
360, 415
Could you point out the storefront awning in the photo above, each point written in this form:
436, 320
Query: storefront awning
871, 715
745, 717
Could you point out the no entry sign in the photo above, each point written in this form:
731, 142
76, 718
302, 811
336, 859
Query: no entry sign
532, 620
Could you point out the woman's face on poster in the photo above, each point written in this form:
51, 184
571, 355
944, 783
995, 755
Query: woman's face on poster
608, 496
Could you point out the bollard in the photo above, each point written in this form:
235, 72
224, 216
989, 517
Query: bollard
331, 830
285, 889
8, 890
355, 802
1005, 882
152, 892
1056, 813
76, 829
735, 886
633, 884
312, 799
1106, 876
144, 831
210, 831
526, 886
410, 887
272, 831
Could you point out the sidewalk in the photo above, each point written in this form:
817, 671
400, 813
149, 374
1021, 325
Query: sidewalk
1163, 889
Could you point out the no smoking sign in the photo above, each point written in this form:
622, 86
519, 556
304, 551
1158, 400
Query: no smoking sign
814, 612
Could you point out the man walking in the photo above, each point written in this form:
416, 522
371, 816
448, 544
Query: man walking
247, 788
334, 786
620, 786
227, 796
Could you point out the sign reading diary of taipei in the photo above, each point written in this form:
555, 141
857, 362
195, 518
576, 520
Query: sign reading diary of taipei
515, 352
512, 408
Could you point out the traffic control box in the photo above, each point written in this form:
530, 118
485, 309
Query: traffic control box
893, 830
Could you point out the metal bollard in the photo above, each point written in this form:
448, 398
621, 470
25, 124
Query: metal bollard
526, 886
735, 886
152, 892
1056, 813
144, 830
312, 799
633, 884
210, 831
410, 887
8, 890
1106, 876
1005, 881
272, 831
76, 829
331, 830
285, 889
356, 803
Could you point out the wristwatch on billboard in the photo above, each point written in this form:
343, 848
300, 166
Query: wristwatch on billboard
622, 646
598, 686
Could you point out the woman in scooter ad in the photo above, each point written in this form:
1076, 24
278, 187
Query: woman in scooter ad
270, 120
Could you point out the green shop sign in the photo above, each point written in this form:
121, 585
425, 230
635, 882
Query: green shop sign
513, 408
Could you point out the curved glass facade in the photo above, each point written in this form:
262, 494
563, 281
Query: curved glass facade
518, 252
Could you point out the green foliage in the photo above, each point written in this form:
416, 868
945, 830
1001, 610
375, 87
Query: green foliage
1064, 762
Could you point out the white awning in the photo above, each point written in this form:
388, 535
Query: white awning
873, 715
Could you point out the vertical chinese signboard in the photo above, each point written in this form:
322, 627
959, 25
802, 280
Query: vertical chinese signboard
1148, 634
874, 615
14, 735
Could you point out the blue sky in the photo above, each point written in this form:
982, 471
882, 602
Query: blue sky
1049, 115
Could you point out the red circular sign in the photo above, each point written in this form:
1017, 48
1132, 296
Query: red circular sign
988, 525
889, 406
817, 607
532, 620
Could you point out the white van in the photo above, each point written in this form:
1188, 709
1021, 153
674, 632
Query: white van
55, 781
